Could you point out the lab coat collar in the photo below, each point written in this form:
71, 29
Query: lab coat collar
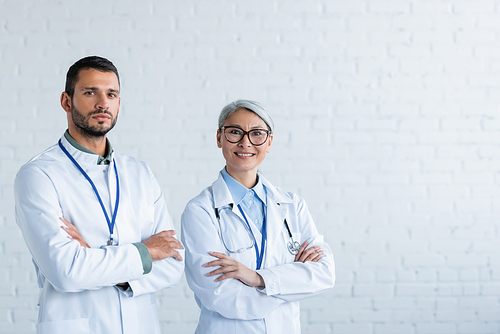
80, 156
273, 194
222, 195
239, 191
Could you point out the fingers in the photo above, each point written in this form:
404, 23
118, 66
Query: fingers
225, 276
318, 256
174, 243
221, 271
219, 255
314, 257
168, 233
176, 255
301, 250
223, 260
65, 222
306, 255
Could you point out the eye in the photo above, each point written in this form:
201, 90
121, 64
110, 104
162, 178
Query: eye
234, 131
90, 92
112, 95
258, 133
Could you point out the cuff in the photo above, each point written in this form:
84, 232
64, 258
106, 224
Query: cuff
147, 262
272, 282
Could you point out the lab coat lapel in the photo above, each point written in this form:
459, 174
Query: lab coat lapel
112, 195
275, 215
222, 196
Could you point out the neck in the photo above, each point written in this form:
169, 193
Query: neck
246, 178
95, 144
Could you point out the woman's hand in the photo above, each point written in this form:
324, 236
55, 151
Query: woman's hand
230, 268
312, 254
73, 232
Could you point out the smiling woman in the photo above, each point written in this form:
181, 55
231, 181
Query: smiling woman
258, 241
243, 155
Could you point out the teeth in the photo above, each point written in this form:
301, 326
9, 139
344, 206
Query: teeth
244, 155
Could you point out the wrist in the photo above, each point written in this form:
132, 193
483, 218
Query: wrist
262, 284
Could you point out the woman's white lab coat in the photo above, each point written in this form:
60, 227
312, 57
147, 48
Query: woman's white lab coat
230, 306
77, 284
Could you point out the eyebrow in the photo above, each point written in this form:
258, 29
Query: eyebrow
257, 127
96, 89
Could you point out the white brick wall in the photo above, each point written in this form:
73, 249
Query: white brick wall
387, 124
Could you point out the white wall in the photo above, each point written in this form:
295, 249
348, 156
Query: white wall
387, 124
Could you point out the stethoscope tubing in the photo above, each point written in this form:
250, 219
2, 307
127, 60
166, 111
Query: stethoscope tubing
293, 246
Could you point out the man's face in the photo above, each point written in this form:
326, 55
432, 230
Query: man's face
96, 102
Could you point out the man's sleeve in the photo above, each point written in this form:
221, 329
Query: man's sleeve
165, 273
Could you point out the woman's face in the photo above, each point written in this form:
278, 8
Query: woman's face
243, 157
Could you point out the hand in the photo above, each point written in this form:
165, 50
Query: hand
161, 245
230, 268
312, 254
73, 232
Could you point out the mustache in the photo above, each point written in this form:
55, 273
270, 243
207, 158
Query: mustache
100, 111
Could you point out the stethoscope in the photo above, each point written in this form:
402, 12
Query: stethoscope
293, 246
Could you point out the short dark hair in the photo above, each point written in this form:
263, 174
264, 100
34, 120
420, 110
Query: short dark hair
91, 62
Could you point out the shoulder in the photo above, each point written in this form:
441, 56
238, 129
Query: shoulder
204, 199
131, 164
281, 195
43, 163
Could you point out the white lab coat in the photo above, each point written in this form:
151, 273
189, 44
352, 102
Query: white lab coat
77, 284
230, 306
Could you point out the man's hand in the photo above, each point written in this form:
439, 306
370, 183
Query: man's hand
162, 245
73, 232
312, 254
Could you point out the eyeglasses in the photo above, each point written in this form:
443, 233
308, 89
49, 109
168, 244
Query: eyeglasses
234, 135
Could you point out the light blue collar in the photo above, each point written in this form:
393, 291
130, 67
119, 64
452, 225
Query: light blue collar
238, 191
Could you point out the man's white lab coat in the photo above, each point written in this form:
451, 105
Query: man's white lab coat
77, 284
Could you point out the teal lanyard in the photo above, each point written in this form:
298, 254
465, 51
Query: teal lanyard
260, 256
111, 224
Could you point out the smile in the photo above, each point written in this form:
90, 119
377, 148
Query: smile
244, 154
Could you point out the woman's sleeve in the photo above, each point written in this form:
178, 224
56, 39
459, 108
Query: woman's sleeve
297, 280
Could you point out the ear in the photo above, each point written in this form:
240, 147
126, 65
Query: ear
66, 102
269, 142
219, 139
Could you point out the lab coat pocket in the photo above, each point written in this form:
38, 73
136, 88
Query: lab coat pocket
73, 326
289, 256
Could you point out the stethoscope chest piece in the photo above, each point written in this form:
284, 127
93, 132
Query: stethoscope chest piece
293, 247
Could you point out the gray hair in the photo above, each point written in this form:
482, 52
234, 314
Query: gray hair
252, 106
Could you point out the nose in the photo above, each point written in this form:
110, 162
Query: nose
102, 101
245, 141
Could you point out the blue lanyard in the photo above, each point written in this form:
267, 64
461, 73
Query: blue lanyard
111, 224
260, 256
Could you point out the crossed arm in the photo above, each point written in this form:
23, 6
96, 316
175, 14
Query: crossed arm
160, 246
230, 268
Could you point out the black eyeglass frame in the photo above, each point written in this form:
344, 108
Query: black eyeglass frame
245, 133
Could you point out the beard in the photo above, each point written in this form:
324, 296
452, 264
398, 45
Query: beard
82, 122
